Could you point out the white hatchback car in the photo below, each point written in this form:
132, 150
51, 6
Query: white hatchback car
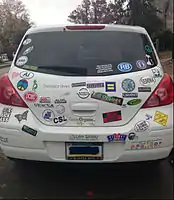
86, 93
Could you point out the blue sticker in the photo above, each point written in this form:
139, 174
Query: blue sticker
117, 137
141, 64
48, 115
22, 85
124, 67
110, 86
128, 85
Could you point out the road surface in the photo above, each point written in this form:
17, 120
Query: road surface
82, 181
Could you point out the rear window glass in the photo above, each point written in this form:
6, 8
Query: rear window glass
90, 53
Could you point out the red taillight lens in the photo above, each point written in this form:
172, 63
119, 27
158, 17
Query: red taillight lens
86, 27
8, 94
163, 95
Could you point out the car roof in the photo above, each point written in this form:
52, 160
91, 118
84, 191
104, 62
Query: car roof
108, 27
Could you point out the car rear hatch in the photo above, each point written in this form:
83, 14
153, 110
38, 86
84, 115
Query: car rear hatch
91, 77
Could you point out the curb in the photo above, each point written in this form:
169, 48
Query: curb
5, 65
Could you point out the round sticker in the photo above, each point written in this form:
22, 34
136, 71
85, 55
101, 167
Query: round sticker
128, 85
83, 93
27, 41
29, 50
48, 115
60, 109
22, 61
141, 64
148, 49
124, 67
22, 85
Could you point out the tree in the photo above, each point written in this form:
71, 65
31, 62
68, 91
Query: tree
14, 21
144, 13
98, 12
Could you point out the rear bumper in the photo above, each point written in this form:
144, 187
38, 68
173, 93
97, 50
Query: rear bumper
127, 156
49, 143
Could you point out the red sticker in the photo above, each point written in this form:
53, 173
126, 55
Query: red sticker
112, 116
30, 96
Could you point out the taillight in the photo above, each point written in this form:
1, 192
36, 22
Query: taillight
163, 94
8, 94
86, 27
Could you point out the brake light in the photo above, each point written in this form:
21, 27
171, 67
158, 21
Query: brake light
163, 94
86, 27
8, 94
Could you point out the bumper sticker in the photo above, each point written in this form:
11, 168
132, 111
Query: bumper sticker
112, 116
22, 116
161, 118
5, 115
117, 137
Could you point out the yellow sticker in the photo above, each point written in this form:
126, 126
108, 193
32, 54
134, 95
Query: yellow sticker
161, 118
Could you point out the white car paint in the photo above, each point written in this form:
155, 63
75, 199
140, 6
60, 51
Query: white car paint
49, 142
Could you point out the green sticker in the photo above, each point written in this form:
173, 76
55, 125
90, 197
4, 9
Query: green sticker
134, 102
30, 67
35, 85
148, 49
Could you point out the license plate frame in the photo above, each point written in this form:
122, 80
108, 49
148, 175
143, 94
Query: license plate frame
74, 150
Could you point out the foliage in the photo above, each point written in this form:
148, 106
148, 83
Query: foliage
14, 21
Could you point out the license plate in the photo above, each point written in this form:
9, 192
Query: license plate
84, 150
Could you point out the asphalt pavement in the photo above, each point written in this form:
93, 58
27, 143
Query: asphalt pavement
85, 181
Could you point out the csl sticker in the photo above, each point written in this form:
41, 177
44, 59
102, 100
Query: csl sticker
124, 67
95, 85
22, 116
30, 97
29, 130
141, 64
129, 95
60, 120
27, 41
5, 114
160, 118
141, 126
26, 75
134, 102
106, 98
22, 85
128, 85
147, 81
21, 61
104, 68
48, 115
110, 86
78, 84
112, 116
117, 137
144, 89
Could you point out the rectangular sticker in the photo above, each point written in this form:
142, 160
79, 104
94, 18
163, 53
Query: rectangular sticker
161, 118
104, 68
84, 150
78, 84
112, 116
110, 86
144, 89
95, 85
106, 98
129, 95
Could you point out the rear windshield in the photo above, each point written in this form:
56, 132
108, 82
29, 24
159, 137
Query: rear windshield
90, 53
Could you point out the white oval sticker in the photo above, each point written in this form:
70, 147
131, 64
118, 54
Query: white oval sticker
26, 75
29, 50
147, 81
27, 41
22, 61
